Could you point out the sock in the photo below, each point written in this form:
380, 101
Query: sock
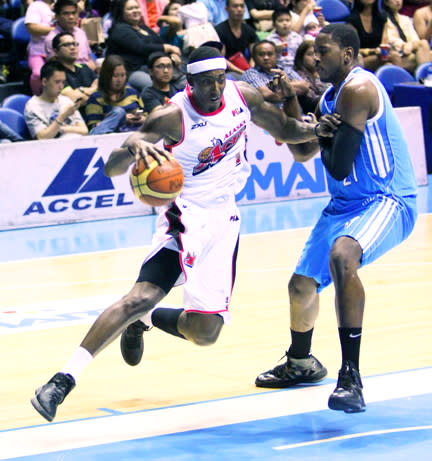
77, 363
300, 344
350, 344
166, 319
147, 317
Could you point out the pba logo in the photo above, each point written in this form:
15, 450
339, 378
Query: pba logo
76, 184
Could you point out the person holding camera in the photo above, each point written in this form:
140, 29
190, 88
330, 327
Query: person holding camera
116, 106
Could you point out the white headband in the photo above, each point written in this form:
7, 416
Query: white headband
206, 65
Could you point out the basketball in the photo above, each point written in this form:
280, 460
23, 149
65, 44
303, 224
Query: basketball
159, 184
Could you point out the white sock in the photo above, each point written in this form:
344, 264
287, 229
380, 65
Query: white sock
77, 363
146, 318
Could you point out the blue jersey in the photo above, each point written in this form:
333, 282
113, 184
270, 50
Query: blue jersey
382, 165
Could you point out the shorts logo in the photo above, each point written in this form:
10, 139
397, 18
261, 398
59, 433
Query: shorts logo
234, 218
189, 260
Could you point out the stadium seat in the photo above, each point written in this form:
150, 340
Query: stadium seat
334, 10
16, 102
14, 120
21, 38
390, 74
423, 70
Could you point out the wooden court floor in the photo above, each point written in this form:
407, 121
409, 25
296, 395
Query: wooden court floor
397, 330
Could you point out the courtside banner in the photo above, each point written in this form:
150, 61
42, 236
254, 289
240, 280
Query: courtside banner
62, 181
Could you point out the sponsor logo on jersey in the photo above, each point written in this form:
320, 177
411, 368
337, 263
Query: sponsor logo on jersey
199, 124
213, 154
237, 111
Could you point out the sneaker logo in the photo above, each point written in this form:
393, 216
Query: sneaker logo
354, 336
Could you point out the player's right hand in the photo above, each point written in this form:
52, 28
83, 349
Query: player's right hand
147, 152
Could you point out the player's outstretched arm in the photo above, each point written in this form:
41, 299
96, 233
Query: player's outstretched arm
272, 119
165, 122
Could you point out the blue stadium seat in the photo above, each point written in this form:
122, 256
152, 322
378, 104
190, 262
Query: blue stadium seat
334, 10
423, 70
14, 120
16, 102
21, 37
390, 74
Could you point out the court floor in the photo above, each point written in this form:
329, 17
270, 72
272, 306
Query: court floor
189, 403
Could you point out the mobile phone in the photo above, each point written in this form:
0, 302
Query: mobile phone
139, 111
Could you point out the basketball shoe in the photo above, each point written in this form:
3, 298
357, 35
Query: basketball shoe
294, 371
132, 343
348, 395
51, 395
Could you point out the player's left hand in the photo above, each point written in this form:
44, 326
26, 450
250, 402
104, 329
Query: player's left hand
328, 125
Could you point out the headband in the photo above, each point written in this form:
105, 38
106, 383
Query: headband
206, 65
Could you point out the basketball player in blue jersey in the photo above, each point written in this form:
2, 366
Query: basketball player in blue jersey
195, 243
372, 209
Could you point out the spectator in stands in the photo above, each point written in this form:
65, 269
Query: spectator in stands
161, 72
151, 10
217, 12
410, 6
115, 106
311, 30
303, 13
38, 20
7, 134
371, 25
170, 24
52, 115
261, 15
403, 38
287, 41
134, 42
423, 22
264, 54
66, 16
238, 38
81, 81
304, 65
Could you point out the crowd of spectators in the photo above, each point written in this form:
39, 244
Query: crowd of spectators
129, 59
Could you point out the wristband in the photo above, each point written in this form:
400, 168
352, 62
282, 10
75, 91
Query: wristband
315, 130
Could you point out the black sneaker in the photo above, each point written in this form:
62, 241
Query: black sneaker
132, 343
51, 395
348, 395
294, 371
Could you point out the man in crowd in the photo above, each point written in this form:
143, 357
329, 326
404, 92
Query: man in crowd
52, 115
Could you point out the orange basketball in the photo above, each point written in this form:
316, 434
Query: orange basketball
159, 184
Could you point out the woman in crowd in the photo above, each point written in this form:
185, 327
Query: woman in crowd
403, 38
39, 21
134, 42
304, 65
116, 106
371, 25
303, 14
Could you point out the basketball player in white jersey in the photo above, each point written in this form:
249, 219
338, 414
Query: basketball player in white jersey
372, 209
196, 240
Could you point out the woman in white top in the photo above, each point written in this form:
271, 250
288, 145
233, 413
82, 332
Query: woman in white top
403, 38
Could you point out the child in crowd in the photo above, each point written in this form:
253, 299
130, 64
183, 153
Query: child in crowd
287, 41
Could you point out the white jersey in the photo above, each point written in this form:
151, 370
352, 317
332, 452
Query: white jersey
212, 151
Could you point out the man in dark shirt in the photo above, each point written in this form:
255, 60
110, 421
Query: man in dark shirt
81, 81
161, 71
237, 36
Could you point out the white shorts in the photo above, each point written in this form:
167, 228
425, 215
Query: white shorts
207, 240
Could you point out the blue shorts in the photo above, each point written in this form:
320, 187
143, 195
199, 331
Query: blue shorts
378, 225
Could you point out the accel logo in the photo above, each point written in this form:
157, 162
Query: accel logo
81, 178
